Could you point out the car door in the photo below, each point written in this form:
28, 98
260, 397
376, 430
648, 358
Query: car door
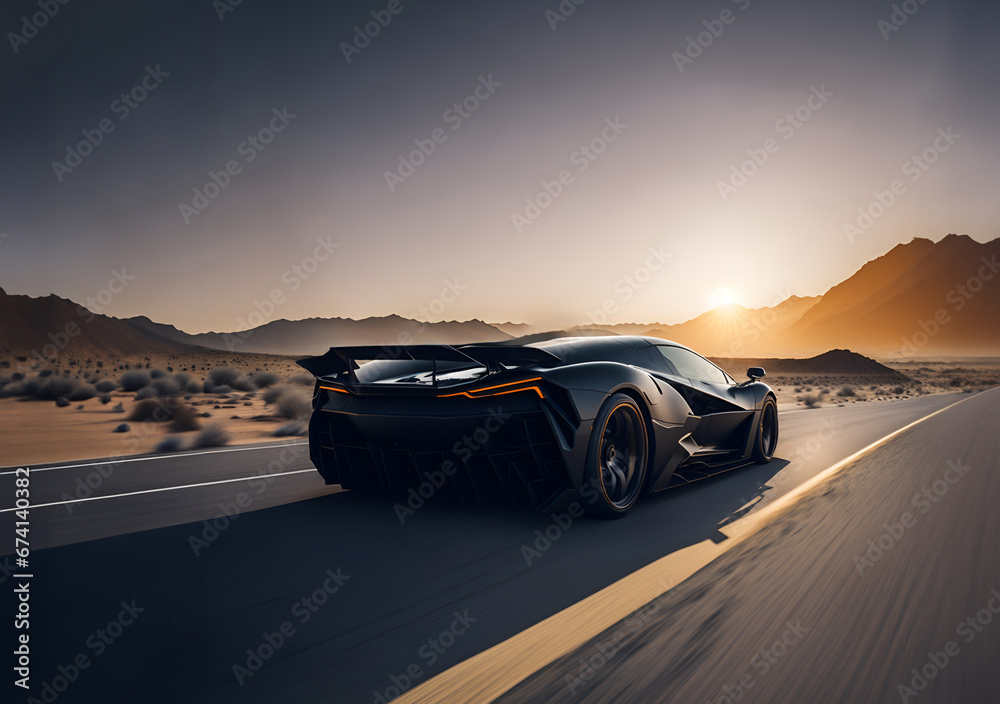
711, 394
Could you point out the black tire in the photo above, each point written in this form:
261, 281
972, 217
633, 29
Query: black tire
617, 457
766, 440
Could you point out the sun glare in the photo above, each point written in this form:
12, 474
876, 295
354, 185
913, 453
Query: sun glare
723, 297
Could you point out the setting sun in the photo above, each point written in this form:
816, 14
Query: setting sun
723, 297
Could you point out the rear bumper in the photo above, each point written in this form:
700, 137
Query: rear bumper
506, 449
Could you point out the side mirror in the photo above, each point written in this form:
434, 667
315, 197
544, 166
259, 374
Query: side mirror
755, 373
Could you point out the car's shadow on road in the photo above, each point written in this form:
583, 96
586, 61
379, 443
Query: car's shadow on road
213, 590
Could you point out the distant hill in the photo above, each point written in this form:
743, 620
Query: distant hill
889, 306
734, 330
317, 335
832, 363
515, 329
28, 325
53, 326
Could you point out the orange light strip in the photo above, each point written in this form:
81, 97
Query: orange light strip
479, 392
333, 388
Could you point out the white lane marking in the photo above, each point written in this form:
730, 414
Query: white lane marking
159, 457
154, 491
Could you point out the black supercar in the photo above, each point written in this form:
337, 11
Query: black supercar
596, 420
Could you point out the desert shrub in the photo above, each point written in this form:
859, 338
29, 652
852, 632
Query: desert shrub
62, 402
14, 388
845, 391
157, 374
182, 379
273, 393
82, 393
192, 387
304, 379
44, 373
122, 428
184, 419
105, 386
32, 386
243, 383
105, 399
134, 380
811, 400
294, 404
262, 380
118, 408
222, 390
956, 381
212, 435
223, 376
165, 386
288, 429
161, 410
289, 401
144, 393
898, 390
171, 443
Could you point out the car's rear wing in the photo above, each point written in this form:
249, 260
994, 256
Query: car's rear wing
345, 359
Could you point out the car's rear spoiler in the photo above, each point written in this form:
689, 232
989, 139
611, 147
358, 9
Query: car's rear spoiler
344, 359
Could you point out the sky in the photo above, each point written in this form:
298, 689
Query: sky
623, 162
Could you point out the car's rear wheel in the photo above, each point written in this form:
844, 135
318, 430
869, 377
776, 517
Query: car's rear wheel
767, 432
617, 457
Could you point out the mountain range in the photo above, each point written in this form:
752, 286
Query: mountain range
919, 299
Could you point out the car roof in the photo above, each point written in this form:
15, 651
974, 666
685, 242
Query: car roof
573, 350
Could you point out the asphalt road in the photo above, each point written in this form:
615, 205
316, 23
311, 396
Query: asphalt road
883, 586
336, 599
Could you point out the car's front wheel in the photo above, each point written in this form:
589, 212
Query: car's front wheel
617, 457
767, 432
